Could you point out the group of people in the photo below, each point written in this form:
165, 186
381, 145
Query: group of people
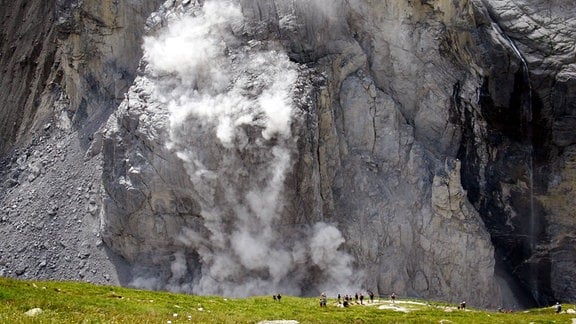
347, 299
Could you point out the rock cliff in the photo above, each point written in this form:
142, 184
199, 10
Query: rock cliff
253, 147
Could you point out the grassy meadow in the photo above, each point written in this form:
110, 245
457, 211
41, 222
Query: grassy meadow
73, 302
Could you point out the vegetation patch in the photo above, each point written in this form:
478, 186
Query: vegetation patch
74, 302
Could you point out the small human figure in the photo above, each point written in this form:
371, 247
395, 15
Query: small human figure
371, 294
463, 305
339, 298
274, 297
356, 298
558, 308
278, 297
361, 299
393, 297
322, 300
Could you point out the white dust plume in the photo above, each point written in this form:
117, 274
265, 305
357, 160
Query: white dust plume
231, 117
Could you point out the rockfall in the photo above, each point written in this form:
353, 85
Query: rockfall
241, 147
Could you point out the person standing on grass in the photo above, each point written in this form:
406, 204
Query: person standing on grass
393, 297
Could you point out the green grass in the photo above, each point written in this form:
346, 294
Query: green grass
72, 302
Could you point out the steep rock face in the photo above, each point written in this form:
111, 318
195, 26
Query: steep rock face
376, 157
65, 61
548, 48
514, 174
27, 52
421, 147
388, 162
98, 55
66, 64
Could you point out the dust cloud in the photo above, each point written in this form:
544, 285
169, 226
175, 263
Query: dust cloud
232, 112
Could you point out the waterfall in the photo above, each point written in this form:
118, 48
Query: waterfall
232, 114
526, 127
